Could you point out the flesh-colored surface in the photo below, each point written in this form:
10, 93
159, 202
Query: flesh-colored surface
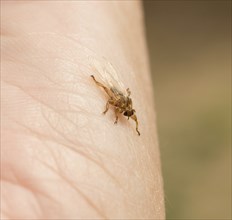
61, 158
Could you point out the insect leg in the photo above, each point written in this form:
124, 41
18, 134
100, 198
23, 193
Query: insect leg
107, 107
117, 111
136, 121
101, 85
116, 115
128, 92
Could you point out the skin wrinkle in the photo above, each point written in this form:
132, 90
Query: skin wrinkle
100, 210
97, 152
73, 148
60, 133
65, 145
58, 164
84, 111
40, 136
42, 102
132, 147
48, 38
92, 101
40, 196
38, 210
23, 89
42, 70
73, 186
32, 185
23, 182
129, 159
37, 195
55, 83
84, 52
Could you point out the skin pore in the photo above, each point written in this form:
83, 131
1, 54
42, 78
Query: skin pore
60, 157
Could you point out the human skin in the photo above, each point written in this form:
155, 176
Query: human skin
60, 157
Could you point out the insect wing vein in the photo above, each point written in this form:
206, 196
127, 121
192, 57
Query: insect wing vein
107, 74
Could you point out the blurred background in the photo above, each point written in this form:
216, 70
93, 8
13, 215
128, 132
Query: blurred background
190, 53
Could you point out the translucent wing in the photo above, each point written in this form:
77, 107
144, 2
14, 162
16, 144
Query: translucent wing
107, 73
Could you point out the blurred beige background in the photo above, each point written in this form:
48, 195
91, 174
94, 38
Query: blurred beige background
190, 54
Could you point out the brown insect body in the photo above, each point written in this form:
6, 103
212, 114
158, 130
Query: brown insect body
122, 103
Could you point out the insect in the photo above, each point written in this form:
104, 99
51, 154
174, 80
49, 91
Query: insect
119, 97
